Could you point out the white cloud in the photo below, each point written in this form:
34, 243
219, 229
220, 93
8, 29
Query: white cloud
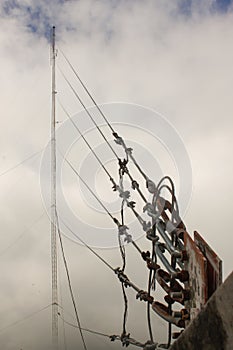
142, 52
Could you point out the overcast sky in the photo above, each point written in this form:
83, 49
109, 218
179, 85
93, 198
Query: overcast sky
163, 71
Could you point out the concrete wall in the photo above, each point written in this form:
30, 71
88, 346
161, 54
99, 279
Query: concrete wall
212, 329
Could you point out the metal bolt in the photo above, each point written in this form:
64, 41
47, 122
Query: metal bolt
182, 275
176, 295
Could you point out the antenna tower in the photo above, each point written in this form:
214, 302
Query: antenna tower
53, 202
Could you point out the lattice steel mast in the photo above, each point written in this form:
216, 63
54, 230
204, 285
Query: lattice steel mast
53, 202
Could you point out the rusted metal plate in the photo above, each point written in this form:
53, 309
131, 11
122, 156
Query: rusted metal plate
214, 264
196, 265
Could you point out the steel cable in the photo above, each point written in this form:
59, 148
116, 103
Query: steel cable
117, 271
86, 89
88, 247
85, 140
104, 137
21, 163
88, 113
100, 202
25, 318
90, 190
69, 282
100, 110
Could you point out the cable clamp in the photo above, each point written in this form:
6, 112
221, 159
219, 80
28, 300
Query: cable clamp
131, 204
150, 209
115, 187
115, 220
119, 140
146, 255
123, 166
124, 194
153, 265
135, 185
122, 277
113, 337
122, 230
129, 151
151, 186
146, 225
151, 236
125, 339
143, 295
